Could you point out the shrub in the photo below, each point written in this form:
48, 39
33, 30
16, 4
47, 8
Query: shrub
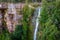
5, 35
27, 13
17, 34
48, 20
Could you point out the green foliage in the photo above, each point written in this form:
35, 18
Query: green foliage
49, 30
18, 1
5, 35
57, 16
25, 21
49, 20
27, 12
17, 34
15, 1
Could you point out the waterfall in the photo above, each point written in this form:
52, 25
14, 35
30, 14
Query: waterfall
36, 20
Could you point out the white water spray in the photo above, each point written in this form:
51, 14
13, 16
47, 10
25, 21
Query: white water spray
36, 21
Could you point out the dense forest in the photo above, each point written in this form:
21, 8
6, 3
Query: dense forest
42, 20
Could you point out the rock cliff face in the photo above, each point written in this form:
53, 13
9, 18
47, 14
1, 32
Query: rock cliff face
11, 14
17, 5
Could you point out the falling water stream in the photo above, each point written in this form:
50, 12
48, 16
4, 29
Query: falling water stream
36, 20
